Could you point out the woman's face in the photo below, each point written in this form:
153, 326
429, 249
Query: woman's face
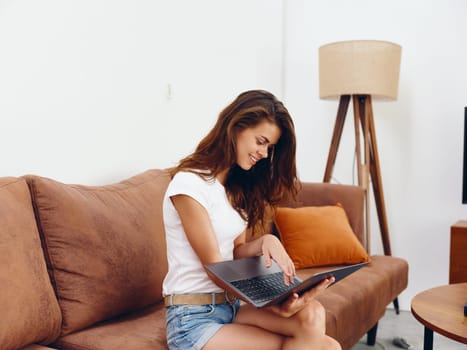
253, 143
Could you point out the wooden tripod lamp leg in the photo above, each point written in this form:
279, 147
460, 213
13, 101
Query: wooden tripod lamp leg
375, 173
377, 183
361, 118
336, 136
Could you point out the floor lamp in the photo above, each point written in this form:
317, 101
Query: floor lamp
361, 71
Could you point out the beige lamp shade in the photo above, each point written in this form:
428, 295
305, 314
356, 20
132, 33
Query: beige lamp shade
359, 67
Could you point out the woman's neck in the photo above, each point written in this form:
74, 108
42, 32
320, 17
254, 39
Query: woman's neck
221, 177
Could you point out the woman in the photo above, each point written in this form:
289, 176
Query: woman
245, 165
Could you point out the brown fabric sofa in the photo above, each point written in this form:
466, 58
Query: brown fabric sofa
81, 267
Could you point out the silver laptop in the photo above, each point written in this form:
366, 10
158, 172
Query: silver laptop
251, 281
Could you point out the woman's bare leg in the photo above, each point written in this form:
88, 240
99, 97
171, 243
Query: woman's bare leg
236, 336
262, 329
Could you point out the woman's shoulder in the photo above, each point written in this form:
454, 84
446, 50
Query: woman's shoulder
192, 184
191, 176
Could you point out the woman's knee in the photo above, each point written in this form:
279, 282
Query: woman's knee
313, 316
331, 344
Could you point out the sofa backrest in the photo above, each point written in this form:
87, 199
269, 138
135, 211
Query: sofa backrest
30, 312
104, 245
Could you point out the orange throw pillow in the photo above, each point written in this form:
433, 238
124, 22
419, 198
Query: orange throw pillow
318, 236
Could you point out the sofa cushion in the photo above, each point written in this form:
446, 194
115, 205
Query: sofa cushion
351, 197
141, 330
317, 236
105, 245
29, 310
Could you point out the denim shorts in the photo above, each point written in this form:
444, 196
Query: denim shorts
191, 326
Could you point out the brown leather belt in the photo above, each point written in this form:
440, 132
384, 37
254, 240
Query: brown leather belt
198, 299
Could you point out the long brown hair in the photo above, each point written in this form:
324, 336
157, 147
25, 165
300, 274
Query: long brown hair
272, 180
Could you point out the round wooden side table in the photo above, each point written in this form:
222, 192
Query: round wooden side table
441, 309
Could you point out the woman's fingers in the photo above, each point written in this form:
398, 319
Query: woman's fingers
312, 293
273, 249
289, 272
295, 302
289, 307
288, 269
267, 259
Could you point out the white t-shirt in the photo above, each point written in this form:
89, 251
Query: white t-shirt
186, 273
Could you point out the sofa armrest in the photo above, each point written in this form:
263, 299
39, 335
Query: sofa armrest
350, 196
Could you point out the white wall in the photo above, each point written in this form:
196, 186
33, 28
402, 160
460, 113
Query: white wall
84, 84
84, 95
419, 136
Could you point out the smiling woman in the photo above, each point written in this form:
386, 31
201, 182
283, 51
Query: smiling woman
273, 178
244, 166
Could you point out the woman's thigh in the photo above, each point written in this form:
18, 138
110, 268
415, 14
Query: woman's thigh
238, 336
266, 319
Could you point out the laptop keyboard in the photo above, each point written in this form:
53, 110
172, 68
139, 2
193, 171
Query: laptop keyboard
263, 288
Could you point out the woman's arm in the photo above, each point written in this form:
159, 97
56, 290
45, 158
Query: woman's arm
198, 228
242, 249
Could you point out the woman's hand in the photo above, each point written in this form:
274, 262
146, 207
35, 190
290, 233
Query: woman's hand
295, 303
272, 248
